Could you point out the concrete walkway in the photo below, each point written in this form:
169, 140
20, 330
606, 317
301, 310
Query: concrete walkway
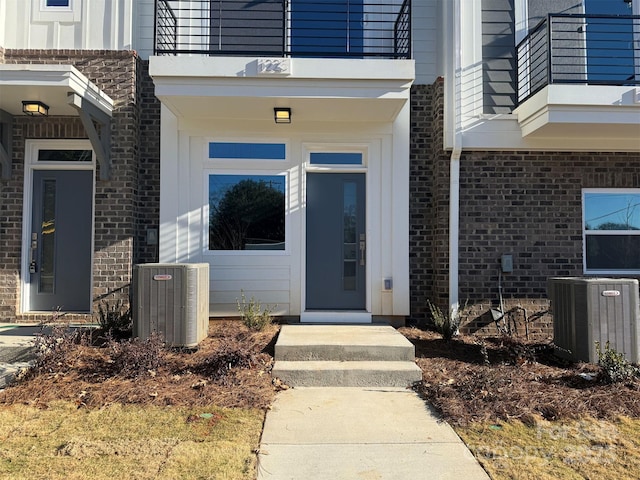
16, 350
334, 433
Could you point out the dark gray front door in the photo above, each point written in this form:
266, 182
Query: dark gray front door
336, 242
60, 243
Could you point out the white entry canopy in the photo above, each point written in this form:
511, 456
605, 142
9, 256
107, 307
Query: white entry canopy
239, 88
66, 92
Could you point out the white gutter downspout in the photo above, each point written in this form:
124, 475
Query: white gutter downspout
454, 168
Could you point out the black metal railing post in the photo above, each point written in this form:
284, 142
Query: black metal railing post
549, 42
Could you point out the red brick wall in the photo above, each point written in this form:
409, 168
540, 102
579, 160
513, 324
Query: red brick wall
119, 216
527, 204
429, 202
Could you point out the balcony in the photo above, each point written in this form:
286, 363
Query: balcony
284, 28
579, 76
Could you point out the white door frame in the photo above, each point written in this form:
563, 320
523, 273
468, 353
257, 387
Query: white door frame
30, 164
330, 316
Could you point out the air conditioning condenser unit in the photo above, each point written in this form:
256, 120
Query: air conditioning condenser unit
588, 310
172, 300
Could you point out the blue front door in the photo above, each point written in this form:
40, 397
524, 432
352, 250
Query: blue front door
336, 242
60, 242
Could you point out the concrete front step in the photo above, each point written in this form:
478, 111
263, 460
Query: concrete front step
342, 343
347, 374
344, 356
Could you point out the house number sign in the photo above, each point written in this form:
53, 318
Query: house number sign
274, 66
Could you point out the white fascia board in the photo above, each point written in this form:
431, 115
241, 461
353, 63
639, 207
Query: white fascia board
610, 109
301, 68
290, 88
502, 132
55, 77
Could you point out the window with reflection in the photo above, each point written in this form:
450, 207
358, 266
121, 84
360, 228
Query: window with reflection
612, 230
246, 212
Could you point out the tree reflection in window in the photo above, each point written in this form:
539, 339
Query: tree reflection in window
246, 212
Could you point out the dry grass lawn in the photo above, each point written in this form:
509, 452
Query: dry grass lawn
128, 441
578, 449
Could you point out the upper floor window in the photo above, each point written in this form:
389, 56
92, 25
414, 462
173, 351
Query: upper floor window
611, 229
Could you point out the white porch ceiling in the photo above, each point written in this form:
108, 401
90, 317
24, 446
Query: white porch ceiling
50, 84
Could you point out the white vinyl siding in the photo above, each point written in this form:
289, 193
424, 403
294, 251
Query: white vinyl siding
425, 20
84, 25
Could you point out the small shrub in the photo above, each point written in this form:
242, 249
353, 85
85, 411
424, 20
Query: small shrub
115, 319
136, 357
254, 315
54, 351
234, 353
446, 324
615, 367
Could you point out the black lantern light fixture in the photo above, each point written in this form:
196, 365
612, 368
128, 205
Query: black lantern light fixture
34, 107
282, 115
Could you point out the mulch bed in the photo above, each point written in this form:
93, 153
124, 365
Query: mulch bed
524, 381
231, 368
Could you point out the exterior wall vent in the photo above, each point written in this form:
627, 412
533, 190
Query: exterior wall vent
172, 300
589, 310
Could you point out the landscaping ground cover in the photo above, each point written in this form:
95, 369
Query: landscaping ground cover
514, 380
135, 410
522, 411
231, 368
526, 414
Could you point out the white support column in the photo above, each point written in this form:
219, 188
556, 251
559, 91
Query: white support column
400, 221
169, 186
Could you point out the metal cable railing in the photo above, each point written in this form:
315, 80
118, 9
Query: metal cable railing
579, 49
311, 28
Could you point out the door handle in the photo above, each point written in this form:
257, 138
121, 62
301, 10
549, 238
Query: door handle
33, 267
363, 247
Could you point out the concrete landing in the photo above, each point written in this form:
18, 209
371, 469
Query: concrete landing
344, 355
343, 343
16, 350
360, 433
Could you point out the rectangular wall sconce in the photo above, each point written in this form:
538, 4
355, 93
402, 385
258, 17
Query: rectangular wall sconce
282, 115
34, 107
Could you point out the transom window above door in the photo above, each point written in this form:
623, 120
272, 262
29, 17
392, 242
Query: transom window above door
65, 155
335, 158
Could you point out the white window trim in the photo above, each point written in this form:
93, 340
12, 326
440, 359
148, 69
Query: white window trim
42, 13
604, 232
248, 253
